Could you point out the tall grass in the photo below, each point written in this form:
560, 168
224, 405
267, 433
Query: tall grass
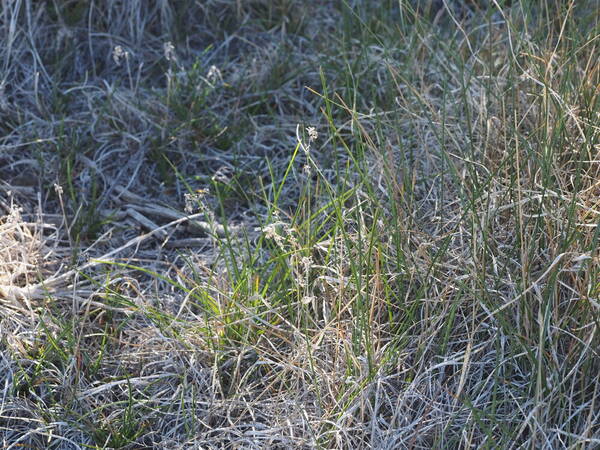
299, 224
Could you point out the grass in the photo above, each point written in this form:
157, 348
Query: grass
299, 224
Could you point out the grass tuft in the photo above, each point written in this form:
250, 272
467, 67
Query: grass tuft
285, 224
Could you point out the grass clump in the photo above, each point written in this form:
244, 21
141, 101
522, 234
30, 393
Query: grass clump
278, 224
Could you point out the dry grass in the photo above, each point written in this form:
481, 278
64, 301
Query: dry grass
186, 263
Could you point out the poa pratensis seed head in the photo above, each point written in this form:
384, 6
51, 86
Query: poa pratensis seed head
214, 74
195, 201
169, 51
313, 135
118, 54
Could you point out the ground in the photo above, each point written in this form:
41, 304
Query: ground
287, 224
